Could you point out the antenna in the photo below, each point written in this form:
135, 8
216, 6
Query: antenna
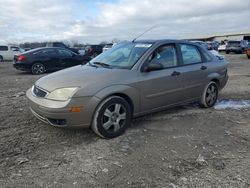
144, 33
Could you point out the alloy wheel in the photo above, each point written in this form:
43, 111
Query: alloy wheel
38, 68
114, 117
211, 94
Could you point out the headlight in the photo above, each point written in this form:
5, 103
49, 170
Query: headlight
62, 94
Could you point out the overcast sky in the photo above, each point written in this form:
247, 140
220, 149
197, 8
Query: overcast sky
93, 21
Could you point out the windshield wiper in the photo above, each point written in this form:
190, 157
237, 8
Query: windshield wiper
102, 64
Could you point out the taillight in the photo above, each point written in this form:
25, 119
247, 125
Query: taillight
21, 58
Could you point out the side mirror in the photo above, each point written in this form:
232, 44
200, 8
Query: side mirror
153, 67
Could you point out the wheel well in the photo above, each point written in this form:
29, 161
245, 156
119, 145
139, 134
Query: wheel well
127, 98
216, 81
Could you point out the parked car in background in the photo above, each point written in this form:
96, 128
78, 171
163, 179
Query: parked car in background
212, 45
61, 45
222, 46
42, 60
129, 80
7, 52
236, 46
81, 50
205, 45
93, 50
108, 46
27, 49
248, 51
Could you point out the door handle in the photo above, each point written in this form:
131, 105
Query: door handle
203, 67
175, 73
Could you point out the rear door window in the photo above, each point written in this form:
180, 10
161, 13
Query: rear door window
65, 53
3, 48
47, 52
190, 54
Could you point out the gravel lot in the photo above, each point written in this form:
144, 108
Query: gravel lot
181, 147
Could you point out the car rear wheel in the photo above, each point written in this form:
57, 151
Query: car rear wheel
210, 95
38, 68
112, 117
1, 59
227, 52
248, 56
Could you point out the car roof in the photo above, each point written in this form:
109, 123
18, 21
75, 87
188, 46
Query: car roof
160, 41
44, 48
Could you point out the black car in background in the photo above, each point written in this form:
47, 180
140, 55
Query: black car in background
61, 45
93, 50
236, 46
46, 59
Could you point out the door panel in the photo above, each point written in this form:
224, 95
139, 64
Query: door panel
50, 58
193, 80
66, 58
160, 88
193, 71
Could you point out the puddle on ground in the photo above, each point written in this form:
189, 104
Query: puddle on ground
232, 104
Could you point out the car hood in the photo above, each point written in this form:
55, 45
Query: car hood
85, 77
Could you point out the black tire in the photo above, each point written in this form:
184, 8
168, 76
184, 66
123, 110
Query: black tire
210, 95
248, 56
116, 113
1, 58
227, 52
38, 68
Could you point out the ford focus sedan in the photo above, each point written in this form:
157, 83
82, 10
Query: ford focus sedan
130, 80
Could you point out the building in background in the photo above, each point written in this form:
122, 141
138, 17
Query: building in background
224, 37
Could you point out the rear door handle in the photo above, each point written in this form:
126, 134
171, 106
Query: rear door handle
203, 67
175, 73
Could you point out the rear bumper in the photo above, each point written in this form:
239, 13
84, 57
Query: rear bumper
22, 66
58, 113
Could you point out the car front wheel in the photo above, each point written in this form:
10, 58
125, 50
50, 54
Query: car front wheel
112, 117
210, 95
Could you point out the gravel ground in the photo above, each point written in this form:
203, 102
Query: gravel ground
181, 147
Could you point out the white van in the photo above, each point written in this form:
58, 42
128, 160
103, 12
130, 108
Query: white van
7, 52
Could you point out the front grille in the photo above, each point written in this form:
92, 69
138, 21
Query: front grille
39, 92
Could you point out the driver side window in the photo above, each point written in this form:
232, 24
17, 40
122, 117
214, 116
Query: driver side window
166, 55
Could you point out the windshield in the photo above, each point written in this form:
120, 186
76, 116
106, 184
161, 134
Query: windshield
124, 55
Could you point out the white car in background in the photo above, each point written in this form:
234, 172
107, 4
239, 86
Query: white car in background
7, 52
222, 46
108, 46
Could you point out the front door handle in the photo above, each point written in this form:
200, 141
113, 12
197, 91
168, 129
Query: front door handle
203, 67
175, 73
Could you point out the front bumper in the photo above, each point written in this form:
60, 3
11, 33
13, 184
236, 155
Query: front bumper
58, 113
